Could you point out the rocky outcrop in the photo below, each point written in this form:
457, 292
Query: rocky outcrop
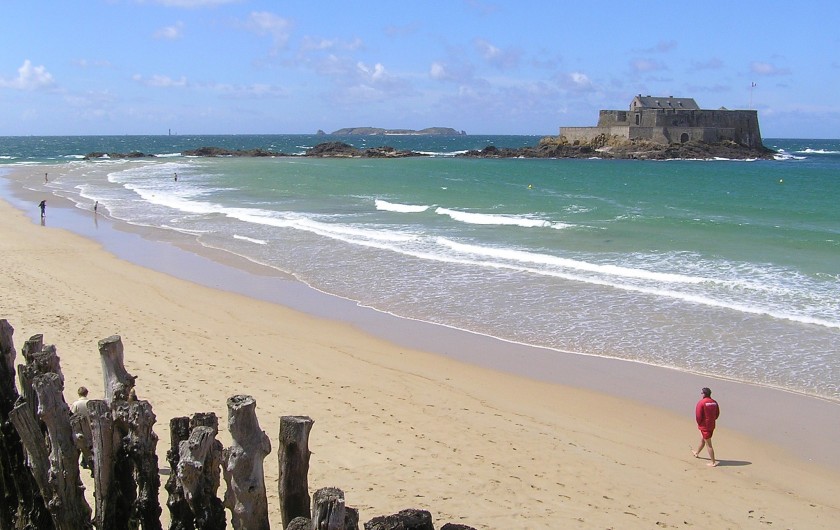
218, 151
614, 148
549, 147
343, 150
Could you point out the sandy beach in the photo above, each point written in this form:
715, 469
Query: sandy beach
474, 430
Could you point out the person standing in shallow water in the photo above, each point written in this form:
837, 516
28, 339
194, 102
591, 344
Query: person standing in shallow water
706, 412
43, 206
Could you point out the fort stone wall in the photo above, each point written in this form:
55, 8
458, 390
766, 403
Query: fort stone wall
668, 126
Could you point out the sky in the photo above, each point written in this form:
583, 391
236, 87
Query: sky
125, 67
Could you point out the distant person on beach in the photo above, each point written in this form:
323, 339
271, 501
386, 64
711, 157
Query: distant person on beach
706, 412
95, 206
46, 179
80, 405
176, 177
43, 206
85, 443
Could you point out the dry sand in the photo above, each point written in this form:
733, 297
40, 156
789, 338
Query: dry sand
397, 427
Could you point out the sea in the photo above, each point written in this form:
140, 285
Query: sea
727, 268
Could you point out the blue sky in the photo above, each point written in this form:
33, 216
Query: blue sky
484, 66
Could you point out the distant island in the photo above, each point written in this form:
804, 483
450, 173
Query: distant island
376, 131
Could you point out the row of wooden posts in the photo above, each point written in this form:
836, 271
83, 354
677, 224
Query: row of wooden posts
41, 442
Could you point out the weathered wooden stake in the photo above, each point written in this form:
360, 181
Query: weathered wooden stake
53, 458
21, 504
140, 445
180, 514
328, 509
243, 466
293, 459
118, 382
198, 474
105, 444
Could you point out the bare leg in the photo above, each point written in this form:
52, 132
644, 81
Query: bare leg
699, 448
711, 450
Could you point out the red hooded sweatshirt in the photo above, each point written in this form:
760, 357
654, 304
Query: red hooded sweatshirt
706, 411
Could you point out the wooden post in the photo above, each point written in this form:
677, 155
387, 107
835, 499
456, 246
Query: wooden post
351, 518
180, 514
243, 466
64, 457
118, 382
293, 459
41, 362
105, 444
198, 474
33, 345
53, 458
328, 509
21, 504
139, 444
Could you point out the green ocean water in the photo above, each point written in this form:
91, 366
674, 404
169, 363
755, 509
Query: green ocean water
722, 267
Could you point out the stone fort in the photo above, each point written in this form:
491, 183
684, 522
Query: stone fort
668, 120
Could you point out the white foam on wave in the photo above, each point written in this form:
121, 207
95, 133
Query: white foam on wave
524, 257
167, 155
611, 277
499, 219
784, 155
397, 207
443, 153
250, 239
810, 151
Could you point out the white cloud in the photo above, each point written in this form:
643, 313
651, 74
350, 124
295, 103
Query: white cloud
761, 68
160, 81
646, 65
438, 71
375, 74
496, 56
661, 47
712, 64
312, 44
252, 91
575, 82
265, 23
172, 32
29, 78
86, 63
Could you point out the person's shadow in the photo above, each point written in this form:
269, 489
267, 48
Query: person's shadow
728, 463
43, 221
733, 463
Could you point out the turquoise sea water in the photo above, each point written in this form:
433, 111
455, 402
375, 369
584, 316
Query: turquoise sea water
721, 267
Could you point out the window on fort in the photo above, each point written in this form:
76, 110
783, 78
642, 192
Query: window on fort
683, 138
637, 118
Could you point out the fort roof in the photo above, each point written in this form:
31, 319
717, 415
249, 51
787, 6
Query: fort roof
662, 102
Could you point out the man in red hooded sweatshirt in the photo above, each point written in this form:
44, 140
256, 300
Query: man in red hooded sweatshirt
706, 412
